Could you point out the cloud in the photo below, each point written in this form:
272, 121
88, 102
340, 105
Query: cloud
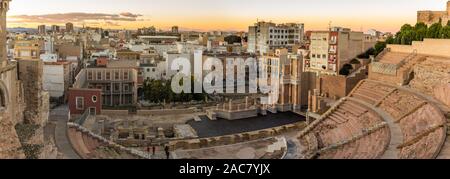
129, 14
75, 17
109, 23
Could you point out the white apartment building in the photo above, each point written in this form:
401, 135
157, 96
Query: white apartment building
154, 72
266, 36
331, 50
56, 78
49, 57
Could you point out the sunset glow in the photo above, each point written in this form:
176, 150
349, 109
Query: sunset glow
206, 15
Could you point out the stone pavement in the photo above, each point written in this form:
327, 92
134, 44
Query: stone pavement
60, 116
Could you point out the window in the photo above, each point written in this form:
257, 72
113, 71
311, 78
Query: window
90, 77
108, 75
126, 88
116, 75
99, 75
116, 87
79, 102
148, 69
108, 88
153, 69
324, 56
125, 75
94, 99
2, 99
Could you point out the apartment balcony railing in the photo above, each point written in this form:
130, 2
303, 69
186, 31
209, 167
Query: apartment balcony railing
333, 42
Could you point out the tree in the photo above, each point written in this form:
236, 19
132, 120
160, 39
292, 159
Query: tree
346, 70
445, 32
434, 30
379, 47
390, 40
421, 31
233, 39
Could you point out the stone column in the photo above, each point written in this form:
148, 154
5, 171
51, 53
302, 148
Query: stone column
309, 100
4, 7
230, 104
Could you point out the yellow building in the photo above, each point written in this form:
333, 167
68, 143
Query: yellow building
27, 50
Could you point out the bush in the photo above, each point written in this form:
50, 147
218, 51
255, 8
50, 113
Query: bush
355, 61
346, 70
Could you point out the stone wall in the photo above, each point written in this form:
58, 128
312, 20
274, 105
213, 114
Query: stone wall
36, 100
431, 17
115, 112
235, 138
166, 111
433, 47
339, 86
10, 146
432, 77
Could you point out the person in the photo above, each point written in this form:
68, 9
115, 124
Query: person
154, 148
148, 151
167, 151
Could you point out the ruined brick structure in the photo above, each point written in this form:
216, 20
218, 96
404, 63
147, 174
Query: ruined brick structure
23, 104
431, 17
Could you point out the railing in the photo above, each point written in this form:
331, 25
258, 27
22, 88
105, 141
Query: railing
390, 69
80, 121
407, 59
384, 68
379, 56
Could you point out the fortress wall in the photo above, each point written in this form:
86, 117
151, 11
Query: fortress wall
432, 47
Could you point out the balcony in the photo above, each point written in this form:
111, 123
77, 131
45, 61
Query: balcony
332, 51
333, 42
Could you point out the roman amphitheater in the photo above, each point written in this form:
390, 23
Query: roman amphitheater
400, 112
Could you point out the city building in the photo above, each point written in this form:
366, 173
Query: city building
55, 29
175, 29
57, 78
27, 50
266, 36
82, 99
69, 27
126, 54
331, 50
431, 17
42, 30
118, 82
294, 84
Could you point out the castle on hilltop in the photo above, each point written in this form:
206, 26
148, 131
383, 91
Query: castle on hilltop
431, 17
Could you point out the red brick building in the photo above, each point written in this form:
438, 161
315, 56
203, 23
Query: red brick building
81, 100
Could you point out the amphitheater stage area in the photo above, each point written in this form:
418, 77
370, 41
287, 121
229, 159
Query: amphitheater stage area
220, 127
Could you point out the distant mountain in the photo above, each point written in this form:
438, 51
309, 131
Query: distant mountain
21, 29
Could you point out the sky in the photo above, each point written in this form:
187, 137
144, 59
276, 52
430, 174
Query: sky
208, 15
